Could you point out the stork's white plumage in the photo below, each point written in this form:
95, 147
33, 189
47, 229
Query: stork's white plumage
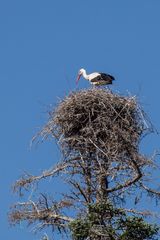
95, 78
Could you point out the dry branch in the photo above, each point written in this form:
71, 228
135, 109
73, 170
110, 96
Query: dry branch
42, 211
28, 179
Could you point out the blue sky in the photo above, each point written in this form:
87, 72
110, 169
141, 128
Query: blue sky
42, 46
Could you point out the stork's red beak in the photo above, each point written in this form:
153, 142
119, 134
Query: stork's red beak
78, 77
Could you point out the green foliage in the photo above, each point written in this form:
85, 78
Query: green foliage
103, 221
80, 229
137, 229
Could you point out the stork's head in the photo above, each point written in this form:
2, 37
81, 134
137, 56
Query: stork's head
80, 73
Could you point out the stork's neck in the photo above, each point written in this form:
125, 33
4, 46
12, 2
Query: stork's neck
84, 74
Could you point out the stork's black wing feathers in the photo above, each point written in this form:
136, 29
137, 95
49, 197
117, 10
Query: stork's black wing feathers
103, 79
106, 76
96, 79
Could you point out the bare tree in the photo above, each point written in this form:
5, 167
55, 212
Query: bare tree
99, 133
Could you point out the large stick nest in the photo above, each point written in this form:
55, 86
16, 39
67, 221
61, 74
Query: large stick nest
97, 121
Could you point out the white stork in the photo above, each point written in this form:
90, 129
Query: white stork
95, 78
